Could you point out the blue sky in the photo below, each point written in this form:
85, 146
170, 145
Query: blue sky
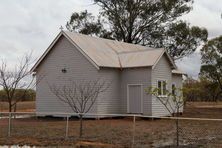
31, 25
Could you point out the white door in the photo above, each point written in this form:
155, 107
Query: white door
134, 98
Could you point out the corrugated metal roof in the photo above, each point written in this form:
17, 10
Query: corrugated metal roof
140, 58
97, 49
109, 53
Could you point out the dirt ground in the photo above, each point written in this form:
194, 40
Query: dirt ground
119, 132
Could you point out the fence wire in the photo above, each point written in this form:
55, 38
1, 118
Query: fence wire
111, 131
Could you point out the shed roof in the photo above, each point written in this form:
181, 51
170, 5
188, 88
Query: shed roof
110, 53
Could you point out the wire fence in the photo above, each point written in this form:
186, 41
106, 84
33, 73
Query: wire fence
108, 130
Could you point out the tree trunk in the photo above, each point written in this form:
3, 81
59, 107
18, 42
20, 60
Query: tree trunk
15, 107
9, 106
217, 95
81, 128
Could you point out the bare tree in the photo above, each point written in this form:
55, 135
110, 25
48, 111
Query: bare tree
18, 78
79, 96
172, 100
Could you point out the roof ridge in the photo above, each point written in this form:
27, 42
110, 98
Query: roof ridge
100, 38
141, 50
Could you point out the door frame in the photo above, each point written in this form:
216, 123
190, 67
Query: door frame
141, 86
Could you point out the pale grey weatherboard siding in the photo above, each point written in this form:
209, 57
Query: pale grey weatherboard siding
177, 79
136, 76
162, 71
135, 98
65, 55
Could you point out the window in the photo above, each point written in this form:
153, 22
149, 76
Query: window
159, 88
173, 89
162, 87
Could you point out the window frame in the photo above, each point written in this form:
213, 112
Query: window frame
162, 89
172, 88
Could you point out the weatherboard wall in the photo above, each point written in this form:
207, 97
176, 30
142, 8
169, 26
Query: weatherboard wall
177, 79
79, 69
161, 71
136, 76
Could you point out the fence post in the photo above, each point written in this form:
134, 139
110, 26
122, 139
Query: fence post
134, 122
177, 132
111, 142
9, 124
177, 126
67, 126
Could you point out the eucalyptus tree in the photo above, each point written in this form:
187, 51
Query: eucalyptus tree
211, 58
146, 22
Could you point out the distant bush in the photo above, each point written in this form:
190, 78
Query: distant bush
201, 90
20, 94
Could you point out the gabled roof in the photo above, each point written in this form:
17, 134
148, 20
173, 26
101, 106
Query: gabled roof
109, 53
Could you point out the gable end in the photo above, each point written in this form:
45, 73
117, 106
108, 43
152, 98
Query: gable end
173, 65
33, 69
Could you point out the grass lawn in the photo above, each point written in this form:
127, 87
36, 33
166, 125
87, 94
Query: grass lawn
119, 132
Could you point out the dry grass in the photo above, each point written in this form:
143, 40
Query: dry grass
26, 106
205, 104
119, 132
203, 110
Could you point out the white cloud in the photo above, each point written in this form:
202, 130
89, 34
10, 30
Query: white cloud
207, 13
31, 25
190, 65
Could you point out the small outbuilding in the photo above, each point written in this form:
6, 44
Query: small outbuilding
131, 68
